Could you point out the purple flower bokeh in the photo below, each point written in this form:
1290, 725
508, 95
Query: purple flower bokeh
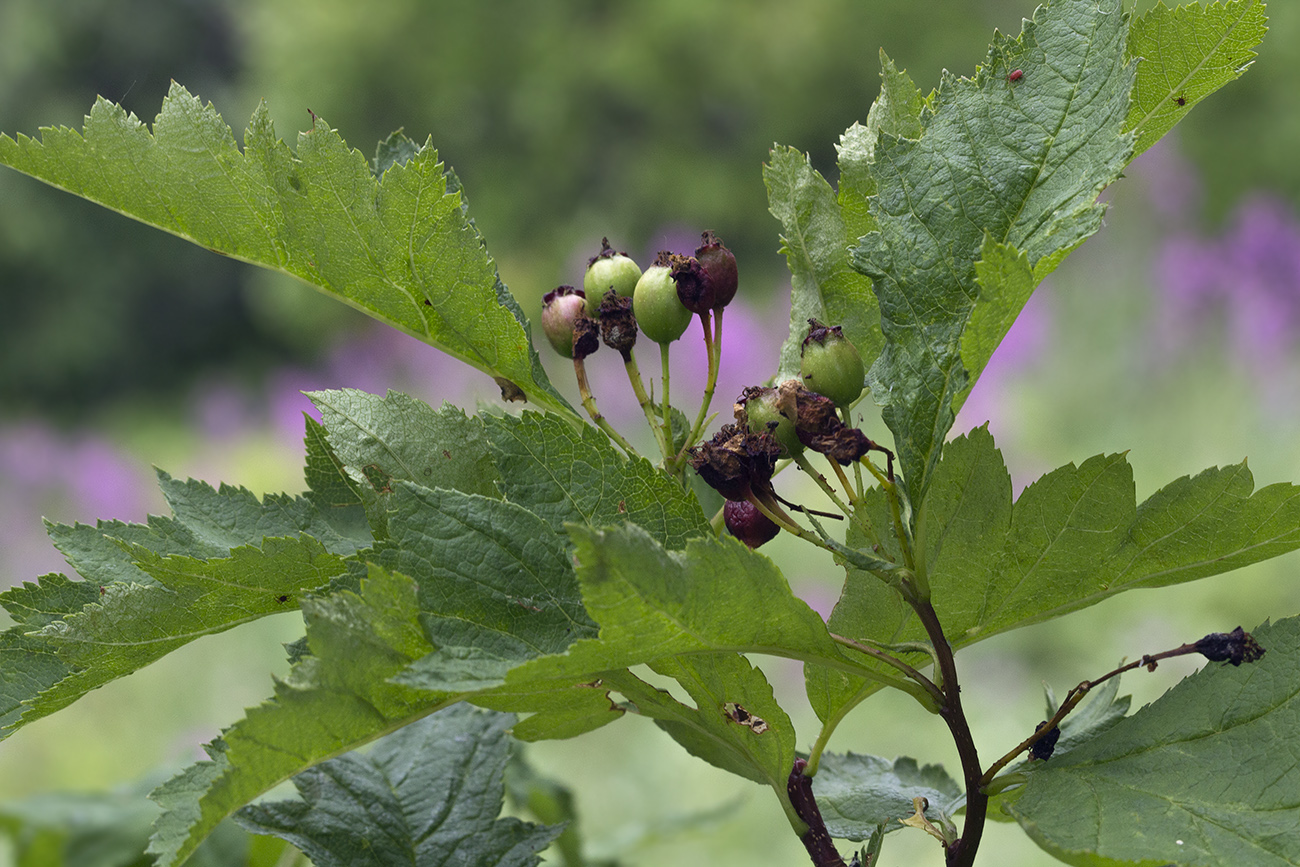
1247, 278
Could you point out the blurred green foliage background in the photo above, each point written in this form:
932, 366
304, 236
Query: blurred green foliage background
569, 121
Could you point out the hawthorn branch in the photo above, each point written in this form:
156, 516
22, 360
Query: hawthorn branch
1235, 647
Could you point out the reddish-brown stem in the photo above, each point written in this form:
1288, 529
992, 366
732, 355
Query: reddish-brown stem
817, 840
1072, 699
962, 852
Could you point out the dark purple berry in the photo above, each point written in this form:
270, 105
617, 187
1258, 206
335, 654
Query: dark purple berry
748, 524
720, 266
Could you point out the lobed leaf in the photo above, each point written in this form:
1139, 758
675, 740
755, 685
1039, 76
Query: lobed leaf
1020, 161
1074, 537
224, 558
857, 793
495, 584
652, 603
736, 723
1185, 54
429, 793
566, 473
814, 240
399, 247
339, 697
1204, 775
380, 441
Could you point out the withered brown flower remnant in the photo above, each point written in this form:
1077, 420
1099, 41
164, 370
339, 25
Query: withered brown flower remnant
737, 462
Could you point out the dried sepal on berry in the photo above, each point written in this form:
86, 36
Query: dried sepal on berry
761, 410
719, 264
617, 324
737, 462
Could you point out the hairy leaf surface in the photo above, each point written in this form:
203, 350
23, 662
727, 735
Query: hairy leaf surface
736, 723
495, 583
1021, 161
224, 558
653, 603
566, 473
399, 248
1205, 775
429, 793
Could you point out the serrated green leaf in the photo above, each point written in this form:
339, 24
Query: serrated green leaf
1184, 55
736, 723
495, 583
1021, 161
1074, 537
395, 150
401, 248
336, 699
558, 709
29, 665
383, 440
566, 473
330, 489
1005, 282
73, 636
652, 603
429, 793
104, 829
814, 240
1103, 708
856, 793
1194, 778
132, 625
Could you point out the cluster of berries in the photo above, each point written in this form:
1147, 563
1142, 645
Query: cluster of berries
618, 300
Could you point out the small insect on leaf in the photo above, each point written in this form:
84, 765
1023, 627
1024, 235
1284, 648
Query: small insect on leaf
737, 714
1016, 75
1181, 100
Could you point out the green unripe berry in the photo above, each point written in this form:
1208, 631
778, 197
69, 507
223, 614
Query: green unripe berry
761, 410
659, 313
830, 365
609, 270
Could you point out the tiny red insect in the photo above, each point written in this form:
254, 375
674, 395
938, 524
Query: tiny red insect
1016, 75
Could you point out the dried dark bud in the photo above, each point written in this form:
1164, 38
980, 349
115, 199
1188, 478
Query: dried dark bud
736, 461
819, 427
1043, 748
617, 324
748, 524
1236, 647
693, 287
586, 337
720, 266
561, 309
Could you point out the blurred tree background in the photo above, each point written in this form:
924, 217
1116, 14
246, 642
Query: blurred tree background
567, 121
1174, 332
